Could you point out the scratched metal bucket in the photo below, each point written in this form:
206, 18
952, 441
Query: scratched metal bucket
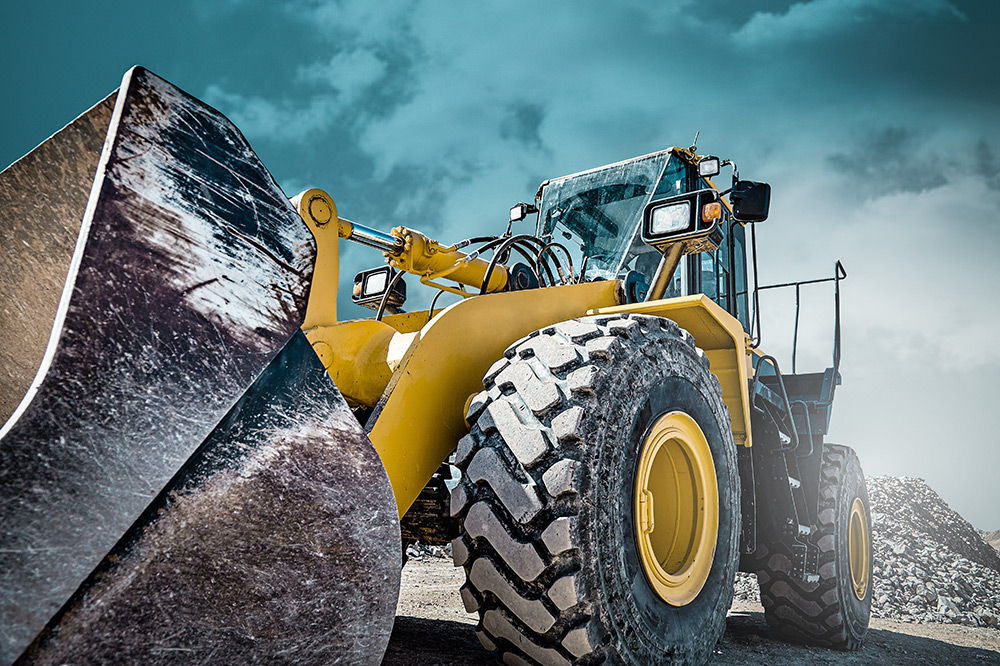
180, 481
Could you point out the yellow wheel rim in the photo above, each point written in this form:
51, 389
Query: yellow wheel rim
858, 548
676, 508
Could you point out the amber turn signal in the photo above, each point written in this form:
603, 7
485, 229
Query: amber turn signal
711, 212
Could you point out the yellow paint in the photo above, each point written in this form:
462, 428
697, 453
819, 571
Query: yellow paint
344, 227
428, 259
676, 508
422, 419
722, 338
408, 322
859, 547
318, 211
361, 355
356, 354
429, 370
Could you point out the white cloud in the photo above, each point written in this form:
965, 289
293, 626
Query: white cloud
816, 18
356, 22
578, 66
350, 73
261, 118
922, 264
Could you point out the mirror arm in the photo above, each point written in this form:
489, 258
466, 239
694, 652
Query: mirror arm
736, 171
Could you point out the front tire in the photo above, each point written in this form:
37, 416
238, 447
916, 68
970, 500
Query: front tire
557, 547
834, 611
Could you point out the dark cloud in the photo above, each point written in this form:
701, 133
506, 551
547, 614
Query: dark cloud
803, 22
522, 123
893, 159
987, 164
899, 159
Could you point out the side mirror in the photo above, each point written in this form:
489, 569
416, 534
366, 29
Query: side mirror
750, 201
371, 285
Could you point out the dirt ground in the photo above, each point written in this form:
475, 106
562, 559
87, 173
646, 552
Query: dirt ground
432, 628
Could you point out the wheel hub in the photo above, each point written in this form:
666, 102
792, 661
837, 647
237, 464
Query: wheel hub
676, 508
858, 548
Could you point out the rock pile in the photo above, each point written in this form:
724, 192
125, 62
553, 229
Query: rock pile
419, 551
746, 588
992, 538
910, 504
930, 564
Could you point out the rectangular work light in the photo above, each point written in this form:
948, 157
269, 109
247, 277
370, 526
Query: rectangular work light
692, 218
370, 286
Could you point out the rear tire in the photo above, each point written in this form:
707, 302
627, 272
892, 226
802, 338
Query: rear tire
547, 497
833, 612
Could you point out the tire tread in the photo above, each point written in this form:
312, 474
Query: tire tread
804, 612
538, 513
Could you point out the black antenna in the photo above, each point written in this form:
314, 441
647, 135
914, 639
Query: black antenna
694, 144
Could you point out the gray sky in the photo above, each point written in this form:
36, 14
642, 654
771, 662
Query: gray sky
875, 121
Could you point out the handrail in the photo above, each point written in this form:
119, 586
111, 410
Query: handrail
784, 394
839, 273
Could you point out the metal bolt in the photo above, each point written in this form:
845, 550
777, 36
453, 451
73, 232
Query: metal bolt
320, 211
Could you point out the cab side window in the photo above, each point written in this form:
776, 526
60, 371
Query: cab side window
721, 274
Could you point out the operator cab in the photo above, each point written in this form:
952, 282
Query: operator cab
598, 215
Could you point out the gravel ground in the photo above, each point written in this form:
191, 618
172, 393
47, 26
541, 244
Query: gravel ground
433, 628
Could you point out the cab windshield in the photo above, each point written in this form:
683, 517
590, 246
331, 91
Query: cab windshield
596, 214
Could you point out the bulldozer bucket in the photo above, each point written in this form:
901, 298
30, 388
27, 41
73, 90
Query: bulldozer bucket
180, 481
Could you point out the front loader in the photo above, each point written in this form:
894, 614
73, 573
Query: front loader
204, 464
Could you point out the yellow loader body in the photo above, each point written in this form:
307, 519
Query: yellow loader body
420, 381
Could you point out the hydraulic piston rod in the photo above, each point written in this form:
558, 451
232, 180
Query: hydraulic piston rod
411, 251
370, 237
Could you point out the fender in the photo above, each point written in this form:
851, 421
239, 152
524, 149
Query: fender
723, 340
